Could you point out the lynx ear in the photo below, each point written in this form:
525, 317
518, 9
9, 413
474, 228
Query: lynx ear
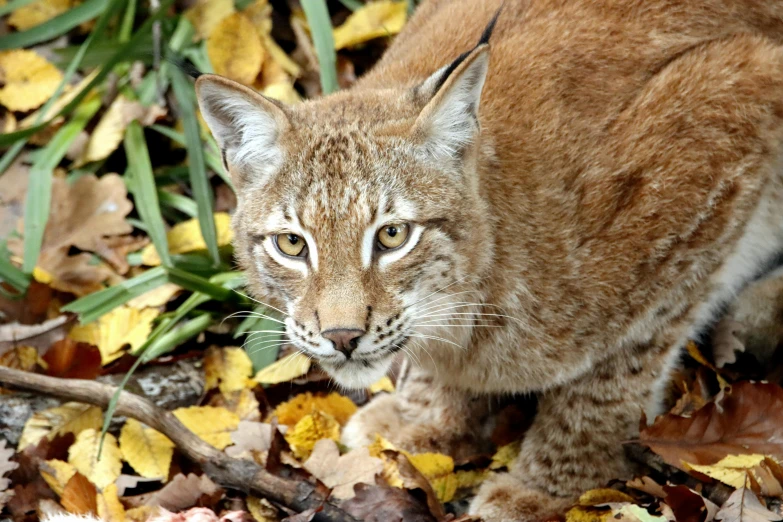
246, 125
449, 121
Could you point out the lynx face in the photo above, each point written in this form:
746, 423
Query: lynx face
357, 214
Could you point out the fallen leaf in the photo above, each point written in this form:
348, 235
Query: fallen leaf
284, 370
124, 327
148, 451
647, 485
250, 437
20, 358
205, 15
6, 466
242, 402
305, 516
689, 506
341, 472
79, 496
234, 49
57, 473
744, 506
38, 12
142, 513
182, 492
186, 237
741, 421
213, 425
382, 503
71, 359
505, 455
334, 404
736, 470
28, 79
312, 428
226, 368
373, 20
262, 510
110, 130
110, 509
71, 417
383, 385
282, 91
69, 93
83, 455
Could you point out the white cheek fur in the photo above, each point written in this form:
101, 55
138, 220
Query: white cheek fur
292, 264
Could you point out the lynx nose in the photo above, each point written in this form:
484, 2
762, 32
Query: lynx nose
344, 339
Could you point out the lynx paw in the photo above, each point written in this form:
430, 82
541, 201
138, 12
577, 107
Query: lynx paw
504, 498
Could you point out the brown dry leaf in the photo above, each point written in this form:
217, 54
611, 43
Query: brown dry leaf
341, 472
310, 430
234, 49
334, 404
71, 359
83, 455
82, 214
186, 237
250, 438
688, 505
110, 509
744, 506
71, 417
80, 496
374, 20
6, 466
647, 485
382, 503
206, 14
742, 421
213, 425
109, 132
113, 332
242, 402
148, 451
227, 368
57, 473
38, 12
182, 492
28, 79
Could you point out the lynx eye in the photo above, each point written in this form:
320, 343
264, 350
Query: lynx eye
290, 245
392, 236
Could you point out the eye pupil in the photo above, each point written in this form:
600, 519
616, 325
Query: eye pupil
293, 239
391, 231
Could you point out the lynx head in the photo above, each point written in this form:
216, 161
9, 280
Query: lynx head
359, 214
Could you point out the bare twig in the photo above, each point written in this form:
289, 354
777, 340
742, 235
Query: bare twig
244, 475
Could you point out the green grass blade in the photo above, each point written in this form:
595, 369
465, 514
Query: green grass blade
353, 5
11, 274
179, 202
199, 284
202, 190
13, 5
126, 26
56, 26
180, 334
212, 159
39, 192
321, 29
145, 193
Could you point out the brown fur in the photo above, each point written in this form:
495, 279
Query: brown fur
625, 182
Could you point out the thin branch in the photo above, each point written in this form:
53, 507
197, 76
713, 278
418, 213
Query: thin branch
244, 475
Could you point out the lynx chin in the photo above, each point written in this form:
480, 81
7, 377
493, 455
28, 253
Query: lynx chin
554, 210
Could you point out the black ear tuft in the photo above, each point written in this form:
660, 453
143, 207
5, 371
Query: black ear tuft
485, 36
184, 65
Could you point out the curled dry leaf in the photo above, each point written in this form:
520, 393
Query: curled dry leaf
334, 404
341, 472
226, 368
71, 359
149, 452
71, 417
28, 79
211, 424
186, 237
286, 369
83, 455
744, 506
374, 20
124, 327
234, 49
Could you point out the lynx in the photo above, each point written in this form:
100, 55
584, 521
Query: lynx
553, 211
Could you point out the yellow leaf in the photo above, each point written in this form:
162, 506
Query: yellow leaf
260, 15
110, 131
384, 385
213, 425
505, 455
110, 509
282, 91
226, 368
376, 19
291, 412
587, 514
20, 358
242, 402
143, 513
470, 478
83, 455
71, 417
156, 297
596, 497
38, 12
28, 79
438, 469
186, 237
148, 451
57, 473
286, 369
735, 469
234, 49
113, 331
69, 93
262, 510
309, 430
206, 14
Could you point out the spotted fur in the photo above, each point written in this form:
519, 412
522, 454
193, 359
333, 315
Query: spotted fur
586, 191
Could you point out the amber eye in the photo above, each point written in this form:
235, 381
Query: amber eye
392, 236
290, 244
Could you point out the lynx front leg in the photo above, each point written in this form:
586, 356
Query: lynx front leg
575, 442
422, 416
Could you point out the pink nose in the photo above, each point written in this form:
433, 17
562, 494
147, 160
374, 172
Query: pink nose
344, 339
